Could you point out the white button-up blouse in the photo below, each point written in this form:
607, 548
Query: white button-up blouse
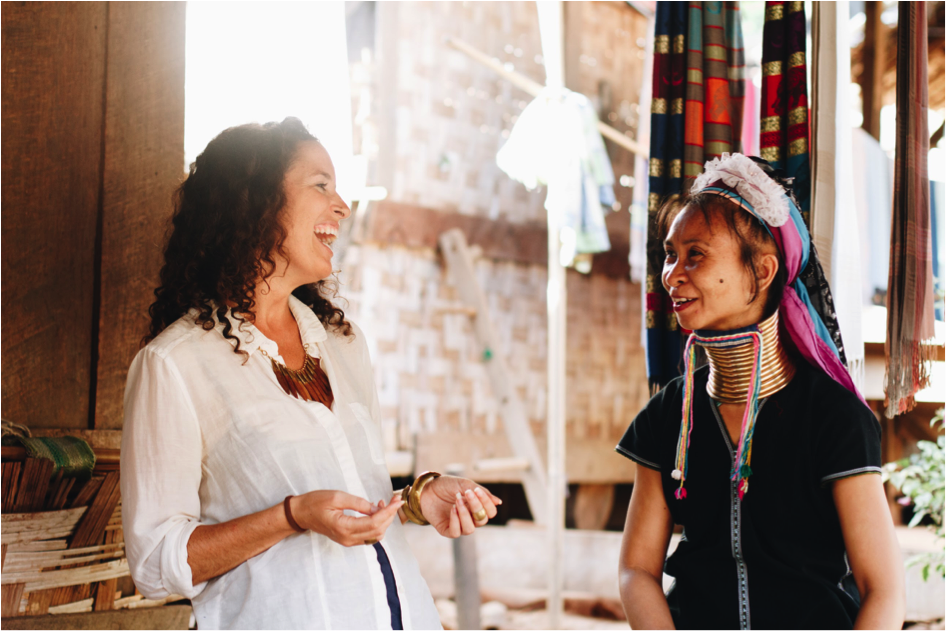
208, 439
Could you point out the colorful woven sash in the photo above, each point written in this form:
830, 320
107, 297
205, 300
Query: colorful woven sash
741, 470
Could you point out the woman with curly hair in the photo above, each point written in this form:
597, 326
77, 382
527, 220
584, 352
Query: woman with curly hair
768, 457
253, 474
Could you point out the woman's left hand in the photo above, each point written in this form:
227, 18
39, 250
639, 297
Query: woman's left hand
452, 505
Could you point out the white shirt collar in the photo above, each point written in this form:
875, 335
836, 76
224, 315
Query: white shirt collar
252, 339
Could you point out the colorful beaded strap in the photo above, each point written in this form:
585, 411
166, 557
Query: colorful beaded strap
741, 470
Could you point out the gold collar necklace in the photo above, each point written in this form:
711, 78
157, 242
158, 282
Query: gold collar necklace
310, 383
731, 367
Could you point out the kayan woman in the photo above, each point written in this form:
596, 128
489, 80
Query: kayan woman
768, 457
253, 471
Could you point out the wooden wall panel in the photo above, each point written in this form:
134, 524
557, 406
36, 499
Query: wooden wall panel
144, 162
523, 242
52, 110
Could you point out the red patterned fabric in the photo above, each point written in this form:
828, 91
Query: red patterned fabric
715, 85
784, 125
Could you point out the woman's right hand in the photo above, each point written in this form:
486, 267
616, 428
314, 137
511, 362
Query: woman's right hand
323, 511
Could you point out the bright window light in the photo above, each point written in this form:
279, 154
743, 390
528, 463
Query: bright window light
264, 61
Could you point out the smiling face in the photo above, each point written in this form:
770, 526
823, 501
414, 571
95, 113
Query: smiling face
706, 276
311, 215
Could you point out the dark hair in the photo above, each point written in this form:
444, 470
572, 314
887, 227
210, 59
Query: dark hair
751, 236
225, 231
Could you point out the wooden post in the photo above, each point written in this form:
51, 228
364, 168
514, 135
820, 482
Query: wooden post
593, 504
872, 58
551, 27
466, 581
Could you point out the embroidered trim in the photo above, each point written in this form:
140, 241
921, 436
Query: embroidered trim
861, 470
735, 530
634, 457
847, 572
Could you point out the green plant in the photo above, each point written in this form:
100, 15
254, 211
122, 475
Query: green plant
920, 479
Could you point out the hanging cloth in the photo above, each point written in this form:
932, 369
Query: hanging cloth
665, 178
910, 286
715, 90
784, 132
696, 115
556, 143
834, 222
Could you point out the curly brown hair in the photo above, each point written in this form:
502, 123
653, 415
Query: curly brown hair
226, 229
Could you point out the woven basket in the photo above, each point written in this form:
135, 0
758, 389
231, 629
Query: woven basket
62, 545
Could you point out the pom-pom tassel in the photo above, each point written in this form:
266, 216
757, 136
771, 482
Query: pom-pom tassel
686, 425
743, 488
741, 470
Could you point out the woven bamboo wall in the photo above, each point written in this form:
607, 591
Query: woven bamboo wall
430, 121
441, 117
429, 369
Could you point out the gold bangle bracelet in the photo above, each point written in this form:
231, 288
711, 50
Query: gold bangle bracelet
405, 493
413, 496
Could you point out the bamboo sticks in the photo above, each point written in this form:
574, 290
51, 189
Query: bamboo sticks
533, 89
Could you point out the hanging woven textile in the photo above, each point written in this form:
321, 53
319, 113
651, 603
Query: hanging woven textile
662, 337
696, 115
784, 133
910, 286
716, 89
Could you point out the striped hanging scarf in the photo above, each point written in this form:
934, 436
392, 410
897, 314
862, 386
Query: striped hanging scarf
910, 286
696, 115
665, 179
715, 84
784, 133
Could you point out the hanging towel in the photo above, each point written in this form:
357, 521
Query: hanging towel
555, 142
665, 177
784, 133
715, 89
910, 287
833, 217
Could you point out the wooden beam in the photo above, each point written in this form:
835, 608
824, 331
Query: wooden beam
937, 352
533, 89
873, 60
175, 617
419, 227
144, 163
52, 116
574, 18
587, 461
593, 504
937, 135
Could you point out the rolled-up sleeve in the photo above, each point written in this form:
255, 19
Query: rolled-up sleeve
160, 477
